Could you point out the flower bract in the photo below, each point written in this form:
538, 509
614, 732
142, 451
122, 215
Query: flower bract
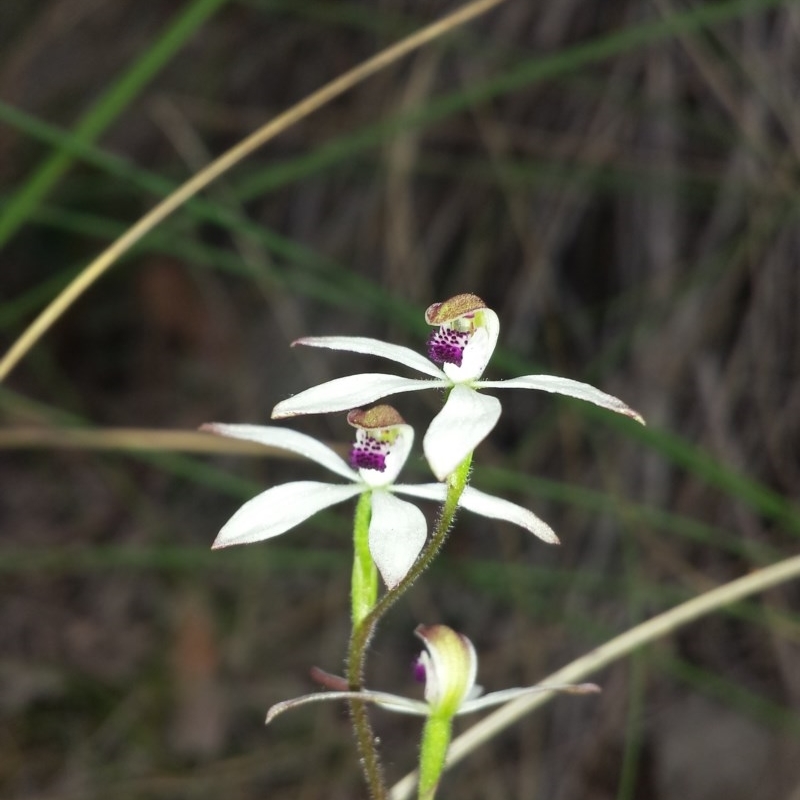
459, 350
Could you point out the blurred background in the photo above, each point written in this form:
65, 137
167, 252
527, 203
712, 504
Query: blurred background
618, 181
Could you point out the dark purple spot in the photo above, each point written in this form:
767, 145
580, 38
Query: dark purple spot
446, 346
419, 671
369, 454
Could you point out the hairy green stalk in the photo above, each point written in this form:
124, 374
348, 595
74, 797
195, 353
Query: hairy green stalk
364, 586
363, 632
435, 741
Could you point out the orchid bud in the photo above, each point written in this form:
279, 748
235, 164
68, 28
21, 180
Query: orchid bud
450, 666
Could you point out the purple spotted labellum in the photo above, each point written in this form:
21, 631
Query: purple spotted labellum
446, 346
376, 434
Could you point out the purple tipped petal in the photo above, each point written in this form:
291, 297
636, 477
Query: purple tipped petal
484, 504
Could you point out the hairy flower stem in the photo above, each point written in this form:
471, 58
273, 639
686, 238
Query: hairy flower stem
435, 741
362, 633
364, 584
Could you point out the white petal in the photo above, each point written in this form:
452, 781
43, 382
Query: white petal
478, 352
397, 533
556, 385
484, 504
463, 423
428, 491
495, 507
497, 698
375, 347
391, 702
344, 394
278, 509
401, 705
506, 695
284, 439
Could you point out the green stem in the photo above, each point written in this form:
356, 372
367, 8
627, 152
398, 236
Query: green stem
363, 594
367, 750
363, 632
435, 741
364, 586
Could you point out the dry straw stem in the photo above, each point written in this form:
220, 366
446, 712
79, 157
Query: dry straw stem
172, 202
611, 651
138, 440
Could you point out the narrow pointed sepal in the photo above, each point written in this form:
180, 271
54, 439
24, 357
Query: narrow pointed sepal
391, 702
496, 508
278, 509
342, 394
285, 439
374, 347
556, 385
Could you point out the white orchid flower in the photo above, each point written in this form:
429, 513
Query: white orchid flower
397, 529
448, 666
463, 343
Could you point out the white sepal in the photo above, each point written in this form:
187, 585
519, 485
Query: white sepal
570, 388
496, 508
343, 394
284, 439
397, 533
391, 702
375, 347
463, 423
507, 695
278, 509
